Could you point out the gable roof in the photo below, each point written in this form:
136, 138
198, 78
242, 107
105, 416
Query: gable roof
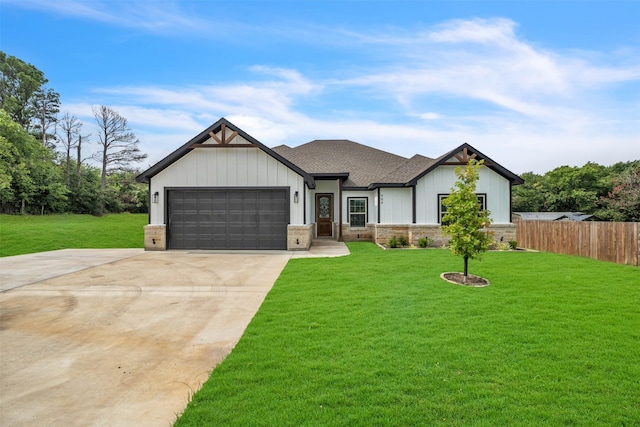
358, 165
363, 164
510, 176
205, 135
369, 167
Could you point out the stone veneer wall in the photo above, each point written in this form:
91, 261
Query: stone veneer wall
361, 233
299, 237
155, 237
381, 233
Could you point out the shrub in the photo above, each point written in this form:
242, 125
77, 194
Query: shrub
500, 246
425, 242
393, 242
513, 244
402, 241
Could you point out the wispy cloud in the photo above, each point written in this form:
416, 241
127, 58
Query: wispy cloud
159, 17
463, 80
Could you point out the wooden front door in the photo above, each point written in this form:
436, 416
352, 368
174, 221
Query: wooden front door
324, 214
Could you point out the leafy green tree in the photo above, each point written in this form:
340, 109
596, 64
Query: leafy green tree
129, 195
84, 190
25, 98
530, 196
19, 83
575, 189
622, 203
465, 221
46, 106
30, 182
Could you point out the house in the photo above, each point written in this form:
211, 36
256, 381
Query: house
553, 216
223, 189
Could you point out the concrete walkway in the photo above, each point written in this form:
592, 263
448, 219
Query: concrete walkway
123, 337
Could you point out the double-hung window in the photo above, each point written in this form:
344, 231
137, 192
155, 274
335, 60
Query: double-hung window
442, 209
357, 211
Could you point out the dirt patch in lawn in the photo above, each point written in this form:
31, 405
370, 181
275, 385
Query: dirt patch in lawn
472, 281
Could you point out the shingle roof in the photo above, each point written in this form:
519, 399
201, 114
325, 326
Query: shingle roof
553, 216
408, 170
369, 167
365, 165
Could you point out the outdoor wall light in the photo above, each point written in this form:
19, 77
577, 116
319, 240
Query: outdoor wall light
295, 197
156, 196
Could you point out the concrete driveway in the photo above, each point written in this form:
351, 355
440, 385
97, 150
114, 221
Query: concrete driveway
120, 338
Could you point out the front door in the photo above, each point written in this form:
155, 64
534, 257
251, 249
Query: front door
324, 214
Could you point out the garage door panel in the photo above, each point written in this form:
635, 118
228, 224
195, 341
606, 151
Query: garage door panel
228, 219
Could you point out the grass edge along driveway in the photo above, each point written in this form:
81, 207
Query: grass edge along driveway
377, 338
26, 234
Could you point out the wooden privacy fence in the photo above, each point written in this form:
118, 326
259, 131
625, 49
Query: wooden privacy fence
617, 242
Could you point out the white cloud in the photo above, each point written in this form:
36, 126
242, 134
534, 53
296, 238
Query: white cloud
464, 81
159, 17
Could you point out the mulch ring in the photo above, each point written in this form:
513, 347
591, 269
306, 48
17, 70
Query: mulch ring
472, 281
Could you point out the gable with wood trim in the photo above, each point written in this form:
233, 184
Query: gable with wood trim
223, 189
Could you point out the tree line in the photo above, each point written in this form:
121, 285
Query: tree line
44, 167
611, 193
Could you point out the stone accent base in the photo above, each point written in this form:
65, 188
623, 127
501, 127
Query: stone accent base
299, 237
355, 234
504, 232
381, 233
155, 237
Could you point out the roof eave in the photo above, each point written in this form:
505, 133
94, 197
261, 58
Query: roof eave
510, 176
145, 177
386, 185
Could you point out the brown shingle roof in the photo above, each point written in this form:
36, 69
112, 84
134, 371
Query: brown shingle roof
365, 165
408, 170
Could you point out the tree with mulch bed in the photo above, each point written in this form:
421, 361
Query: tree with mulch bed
466, 222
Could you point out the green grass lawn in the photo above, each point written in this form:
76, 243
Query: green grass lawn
377, 338
24, 234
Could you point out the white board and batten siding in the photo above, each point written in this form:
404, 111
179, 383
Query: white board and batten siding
396, 205
442, 180
227, 167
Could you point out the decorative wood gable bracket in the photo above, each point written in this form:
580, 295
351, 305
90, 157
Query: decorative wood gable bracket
463, 158
223, 140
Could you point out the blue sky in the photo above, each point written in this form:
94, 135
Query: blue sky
532, 84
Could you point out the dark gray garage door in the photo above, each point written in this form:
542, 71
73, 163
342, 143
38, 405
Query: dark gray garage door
228, 219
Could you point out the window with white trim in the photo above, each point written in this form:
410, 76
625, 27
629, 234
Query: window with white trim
357, 211
442, 209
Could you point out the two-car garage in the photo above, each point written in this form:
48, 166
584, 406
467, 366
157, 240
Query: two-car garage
227, 218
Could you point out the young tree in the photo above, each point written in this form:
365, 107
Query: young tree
465, 219
119, 145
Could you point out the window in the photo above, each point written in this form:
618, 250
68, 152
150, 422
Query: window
442, 209
357, 211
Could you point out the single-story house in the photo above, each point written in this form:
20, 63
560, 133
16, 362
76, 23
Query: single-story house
224, 189
553, 216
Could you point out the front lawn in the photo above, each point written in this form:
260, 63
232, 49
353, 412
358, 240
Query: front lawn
377, 338
25, 234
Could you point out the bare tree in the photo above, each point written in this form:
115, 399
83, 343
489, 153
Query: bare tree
119, 145
69, 134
